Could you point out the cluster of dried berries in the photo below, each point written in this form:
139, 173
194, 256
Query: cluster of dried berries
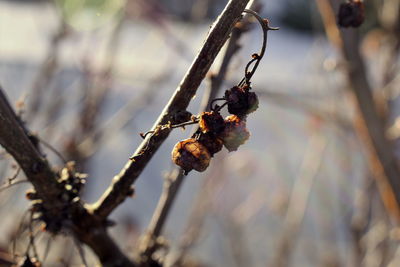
73, 183
215, 132
351, 14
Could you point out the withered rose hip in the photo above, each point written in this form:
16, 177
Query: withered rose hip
351, 14
241, 101
235, 133
190, 154
212, 142
211, 122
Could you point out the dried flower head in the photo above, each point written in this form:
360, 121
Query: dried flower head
351, 14
241, 101
190, 154
211, 122
235, 133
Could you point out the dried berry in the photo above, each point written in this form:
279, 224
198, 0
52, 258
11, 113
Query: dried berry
190, 154
351, 14
210, 141
241, 101
211, 122
235, 133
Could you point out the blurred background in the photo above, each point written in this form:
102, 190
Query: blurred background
87, 76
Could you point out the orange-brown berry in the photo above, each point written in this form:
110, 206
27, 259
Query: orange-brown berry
211, 122
190, 154
211, 141
235, 133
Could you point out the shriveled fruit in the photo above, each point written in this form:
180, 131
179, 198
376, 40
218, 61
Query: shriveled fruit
235, 132
211, 122
211, 141
241, 101
190, 154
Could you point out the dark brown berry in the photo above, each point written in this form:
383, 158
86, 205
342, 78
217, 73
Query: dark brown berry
190, 154
235, 133
351, 14
241, 101
210, 141
211, 122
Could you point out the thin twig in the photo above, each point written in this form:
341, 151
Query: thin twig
219, 33
54, 150
47, 249
171, 187
80, 251
174, 180
31, 244
15, 175
8, 185
257, 57
19, 231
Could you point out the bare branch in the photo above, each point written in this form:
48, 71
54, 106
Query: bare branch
219, 33
299, 199
14, 138
86, 227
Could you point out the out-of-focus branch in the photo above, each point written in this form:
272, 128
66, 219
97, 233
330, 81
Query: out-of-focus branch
299, 199
219, 33
294, 101
47, 70
171, 188
369, 125
194, 225
95, 90
123, 116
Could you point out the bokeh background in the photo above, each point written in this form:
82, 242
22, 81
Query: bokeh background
88, 76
